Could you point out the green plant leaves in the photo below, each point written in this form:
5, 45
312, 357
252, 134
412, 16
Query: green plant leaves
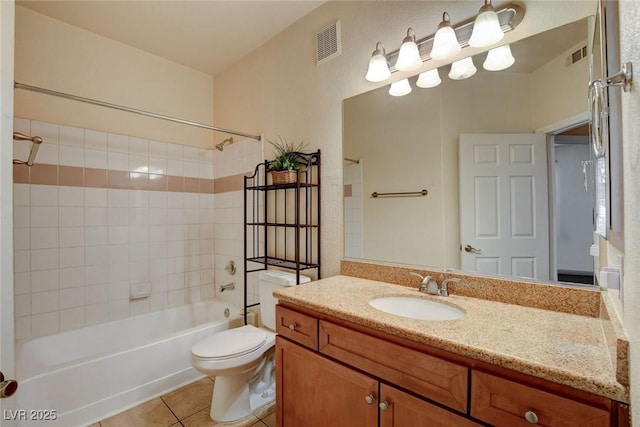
287, 155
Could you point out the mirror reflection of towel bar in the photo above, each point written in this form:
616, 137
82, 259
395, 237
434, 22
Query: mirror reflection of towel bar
375, 194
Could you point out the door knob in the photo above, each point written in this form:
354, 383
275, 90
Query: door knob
383, 406
369, 399
472, 250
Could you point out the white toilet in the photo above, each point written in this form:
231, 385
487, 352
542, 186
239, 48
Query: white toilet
242, 360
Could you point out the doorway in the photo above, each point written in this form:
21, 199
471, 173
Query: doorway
572, 200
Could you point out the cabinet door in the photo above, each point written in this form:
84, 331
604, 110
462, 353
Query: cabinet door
313, 391
399, 409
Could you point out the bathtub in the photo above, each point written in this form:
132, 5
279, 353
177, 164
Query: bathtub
82, 376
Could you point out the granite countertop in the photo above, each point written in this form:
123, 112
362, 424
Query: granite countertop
564, 348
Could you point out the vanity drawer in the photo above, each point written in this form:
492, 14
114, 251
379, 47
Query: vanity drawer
443, 381
503, 402
297, 327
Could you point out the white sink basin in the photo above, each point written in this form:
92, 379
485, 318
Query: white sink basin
416, 308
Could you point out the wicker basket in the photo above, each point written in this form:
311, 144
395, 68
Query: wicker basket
284, 177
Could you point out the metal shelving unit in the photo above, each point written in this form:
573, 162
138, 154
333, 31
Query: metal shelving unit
282, 222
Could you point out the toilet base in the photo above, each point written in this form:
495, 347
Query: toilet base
237, 396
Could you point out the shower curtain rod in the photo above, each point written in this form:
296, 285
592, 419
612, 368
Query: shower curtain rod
17, 85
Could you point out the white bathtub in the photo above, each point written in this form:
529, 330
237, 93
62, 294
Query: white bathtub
91, 373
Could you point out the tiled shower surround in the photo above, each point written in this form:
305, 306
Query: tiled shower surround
100, 212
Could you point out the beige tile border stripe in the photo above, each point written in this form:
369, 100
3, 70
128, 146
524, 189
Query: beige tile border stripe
71, 176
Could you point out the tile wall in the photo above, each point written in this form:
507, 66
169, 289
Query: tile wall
101, 212
230, 166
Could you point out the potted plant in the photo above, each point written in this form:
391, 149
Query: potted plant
284, 167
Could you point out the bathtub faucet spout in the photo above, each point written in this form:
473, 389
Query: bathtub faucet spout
228, 287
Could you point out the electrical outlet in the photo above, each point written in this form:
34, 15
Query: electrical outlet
620, 260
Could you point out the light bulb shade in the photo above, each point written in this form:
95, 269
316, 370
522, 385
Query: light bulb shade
400, 88
462, 69
378, 69
429, 79
486, 28
445, 42
499, 58
409, 55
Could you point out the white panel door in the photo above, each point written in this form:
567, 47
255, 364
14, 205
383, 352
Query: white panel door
504, 219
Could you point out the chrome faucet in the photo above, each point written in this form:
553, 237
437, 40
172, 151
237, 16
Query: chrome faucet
428, 284
444, 288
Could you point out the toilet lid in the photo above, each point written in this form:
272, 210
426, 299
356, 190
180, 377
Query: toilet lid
230, 343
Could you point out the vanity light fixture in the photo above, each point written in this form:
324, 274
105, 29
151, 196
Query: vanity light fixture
499, 58
378, 67
400, 88
429, 79
462, 69
445, 42
509, 16
409, 56
486, 28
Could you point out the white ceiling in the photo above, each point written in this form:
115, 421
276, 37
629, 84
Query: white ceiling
204, 35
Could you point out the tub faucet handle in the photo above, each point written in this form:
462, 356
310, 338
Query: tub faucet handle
230, 267
7, 387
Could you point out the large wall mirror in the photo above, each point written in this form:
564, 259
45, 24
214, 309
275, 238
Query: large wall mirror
533, 113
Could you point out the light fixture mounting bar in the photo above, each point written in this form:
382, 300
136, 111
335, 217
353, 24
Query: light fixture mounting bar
509, 16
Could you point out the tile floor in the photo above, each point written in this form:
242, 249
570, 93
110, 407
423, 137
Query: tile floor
186, 407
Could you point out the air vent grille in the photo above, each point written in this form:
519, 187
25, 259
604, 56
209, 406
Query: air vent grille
328, 43
576, 56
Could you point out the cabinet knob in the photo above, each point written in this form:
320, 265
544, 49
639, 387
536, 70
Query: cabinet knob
383, 406
292, 326
531, 417
369, 399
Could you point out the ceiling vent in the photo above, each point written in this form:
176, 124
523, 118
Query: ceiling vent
328, 43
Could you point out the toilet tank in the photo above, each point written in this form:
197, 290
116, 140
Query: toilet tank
270, 281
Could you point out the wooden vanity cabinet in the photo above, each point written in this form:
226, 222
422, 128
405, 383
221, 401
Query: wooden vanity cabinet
314, 391
329, 374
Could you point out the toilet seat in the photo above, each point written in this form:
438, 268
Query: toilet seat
229, 344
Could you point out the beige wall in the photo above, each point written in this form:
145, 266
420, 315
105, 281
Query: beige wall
629, 36
61, 57
556, 77
279, 90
